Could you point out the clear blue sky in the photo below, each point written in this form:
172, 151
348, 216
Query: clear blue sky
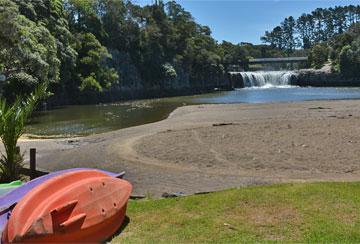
245, 21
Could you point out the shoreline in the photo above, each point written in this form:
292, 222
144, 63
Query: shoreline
29, 135
214, 147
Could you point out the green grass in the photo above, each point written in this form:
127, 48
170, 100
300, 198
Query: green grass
318, 212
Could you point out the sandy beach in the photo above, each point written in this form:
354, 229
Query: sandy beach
213, 147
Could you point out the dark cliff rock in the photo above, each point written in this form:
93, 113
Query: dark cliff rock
131, 93
320, 78
236, 80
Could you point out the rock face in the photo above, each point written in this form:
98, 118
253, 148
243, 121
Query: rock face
236, 80
319, 78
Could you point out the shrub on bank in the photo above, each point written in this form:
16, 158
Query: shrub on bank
319, 56
349, 59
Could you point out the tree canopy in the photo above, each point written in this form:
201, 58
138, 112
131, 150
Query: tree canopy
95, 46
28, 51
101, 44
310, 29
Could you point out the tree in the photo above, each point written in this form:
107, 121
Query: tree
51, 15
25, 62
84, 17
12, 122
303, 31
338, 42
92, 70
288, 31
319, 56
320, 25
169, 74
329, 30
113, 18
346, 59
349, 59
275, 37
56, 22
339, 19
318, 16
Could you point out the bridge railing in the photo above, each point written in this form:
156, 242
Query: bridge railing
278, 60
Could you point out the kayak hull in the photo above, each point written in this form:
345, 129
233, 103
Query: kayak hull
7, 187
81, 206
15, 195
8, 201
85, 236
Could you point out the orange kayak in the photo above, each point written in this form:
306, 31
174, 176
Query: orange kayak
81, 206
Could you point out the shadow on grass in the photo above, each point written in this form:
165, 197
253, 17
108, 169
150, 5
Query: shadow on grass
120, 230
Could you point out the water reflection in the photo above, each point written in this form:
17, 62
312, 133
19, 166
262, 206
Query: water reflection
89, 119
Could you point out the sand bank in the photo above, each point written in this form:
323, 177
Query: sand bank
213, 147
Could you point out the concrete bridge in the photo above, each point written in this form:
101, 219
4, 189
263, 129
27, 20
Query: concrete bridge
244, 65
278, 60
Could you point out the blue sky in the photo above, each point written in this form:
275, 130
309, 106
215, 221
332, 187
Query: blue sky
245, 21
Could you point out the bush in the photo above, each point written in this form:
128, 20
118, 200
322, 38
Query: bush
349, 60
345, 59
319, 56
19, 84
169, 74
168, 71
12, 122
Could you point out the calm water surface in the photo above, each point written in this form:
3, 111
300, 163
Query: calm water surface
90, 119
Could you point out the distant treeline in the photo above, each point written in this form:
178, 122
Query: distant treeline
93, 47
330, 35
309, 29
87, 47
101, 44
342, 52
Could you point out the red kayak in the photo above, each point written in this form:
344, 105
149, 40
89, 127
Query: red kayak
81, 206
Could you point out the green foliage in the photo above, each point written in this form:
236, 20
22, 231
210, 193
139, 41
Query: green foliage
83, 16
57, 24
337, 44
169, 72
90, 82
319, 56
81, 45
232, 54
91, 67
28, 52
346, 58
320, 25
349, 59
275, 37
151, 39
343, 51
288, 33
52, 16
12, 122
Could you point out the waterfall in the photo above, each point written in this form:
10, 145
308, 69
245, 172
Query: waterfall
267, 78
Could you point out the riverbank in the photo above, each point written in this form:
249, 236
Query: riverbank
128, 94
323, 78
303, 78
214, 147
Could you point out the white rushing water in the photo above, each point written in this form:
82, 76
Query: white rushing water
267, 79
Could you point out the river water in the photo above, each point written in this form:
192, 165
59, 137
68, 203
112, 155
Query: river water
90, 119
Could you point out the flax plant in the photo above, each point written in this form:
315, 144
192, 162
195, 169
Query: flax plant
12, 123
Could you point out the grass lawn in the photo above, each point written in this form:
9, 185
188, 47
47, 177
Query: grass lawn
317, 212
